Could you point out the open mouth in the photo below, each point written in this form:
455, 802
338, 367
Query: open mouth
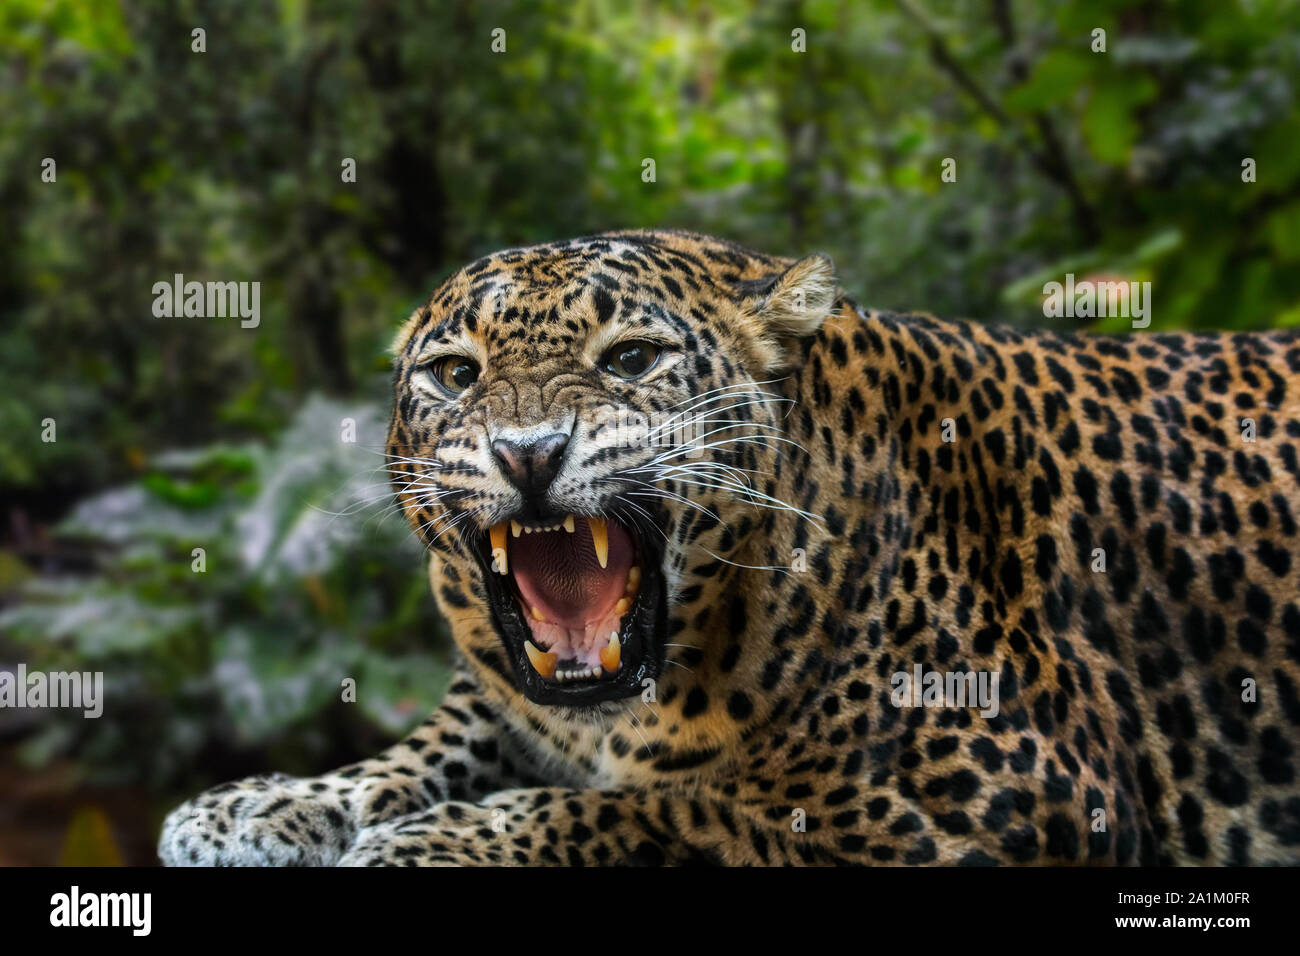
579, 602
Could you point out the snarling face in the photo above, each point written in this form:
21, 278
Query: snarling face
574, 426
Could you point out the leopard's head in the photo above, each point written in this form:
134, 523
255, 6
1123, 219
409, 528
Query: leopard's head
580, 435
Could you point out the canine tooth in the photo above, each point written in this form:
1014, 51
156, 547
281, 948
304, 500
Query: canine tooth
600, 539
568, 523
498, 536
610, 653
622, 606
542, 662
516, 528
537, 615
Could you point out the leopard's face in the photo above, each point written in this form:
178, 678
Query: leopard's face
579, 431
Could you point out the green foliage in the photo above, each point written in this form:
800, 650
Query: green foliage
304, 578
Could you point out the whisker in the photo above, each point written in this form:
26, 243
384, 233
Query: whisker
649, 751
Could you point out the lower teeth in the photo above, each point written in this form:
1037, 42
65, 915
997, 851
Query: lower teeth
585, 674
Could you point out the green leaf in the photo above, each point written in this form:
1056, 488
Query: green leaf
1054, 79
1108, 125
1283, 231
89, 840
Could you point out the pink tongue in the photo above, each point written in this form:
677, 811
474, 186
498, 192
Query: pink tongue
558, 573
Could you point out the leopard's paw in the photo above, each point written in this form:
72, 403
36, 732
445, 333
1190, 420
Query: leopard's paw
451, 834
274, 820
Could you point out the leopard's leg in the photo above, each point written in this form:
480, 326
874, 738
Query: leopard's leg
795, 818
464, 751
557, 826
549, 826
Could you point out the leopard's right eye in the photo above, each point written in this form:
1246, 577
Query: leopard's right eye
631, 360
454, 373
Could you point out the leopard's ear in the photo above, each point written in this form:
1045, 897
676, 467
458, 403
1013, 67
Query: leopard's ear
790, 305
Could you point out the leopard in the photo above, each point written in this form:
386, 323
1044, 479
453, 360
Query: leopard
740, 572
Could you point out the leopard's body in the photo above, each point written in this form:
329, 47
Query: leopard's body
1100, 531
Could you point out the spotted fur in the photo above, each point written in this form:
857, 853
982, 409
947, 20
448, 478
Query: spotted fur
1148, 712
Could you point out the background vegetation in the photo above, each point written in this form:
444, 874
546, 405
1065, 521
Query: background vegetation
225, 165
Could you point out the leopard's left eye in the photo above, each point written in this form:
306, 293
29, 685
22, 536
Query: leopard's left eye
454, 373
629, 360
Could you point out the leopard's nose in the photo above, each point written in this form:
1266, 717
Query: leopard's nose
531, 466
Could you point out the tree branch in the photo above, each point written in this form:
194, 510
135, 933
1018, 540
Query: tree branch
1051, 161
